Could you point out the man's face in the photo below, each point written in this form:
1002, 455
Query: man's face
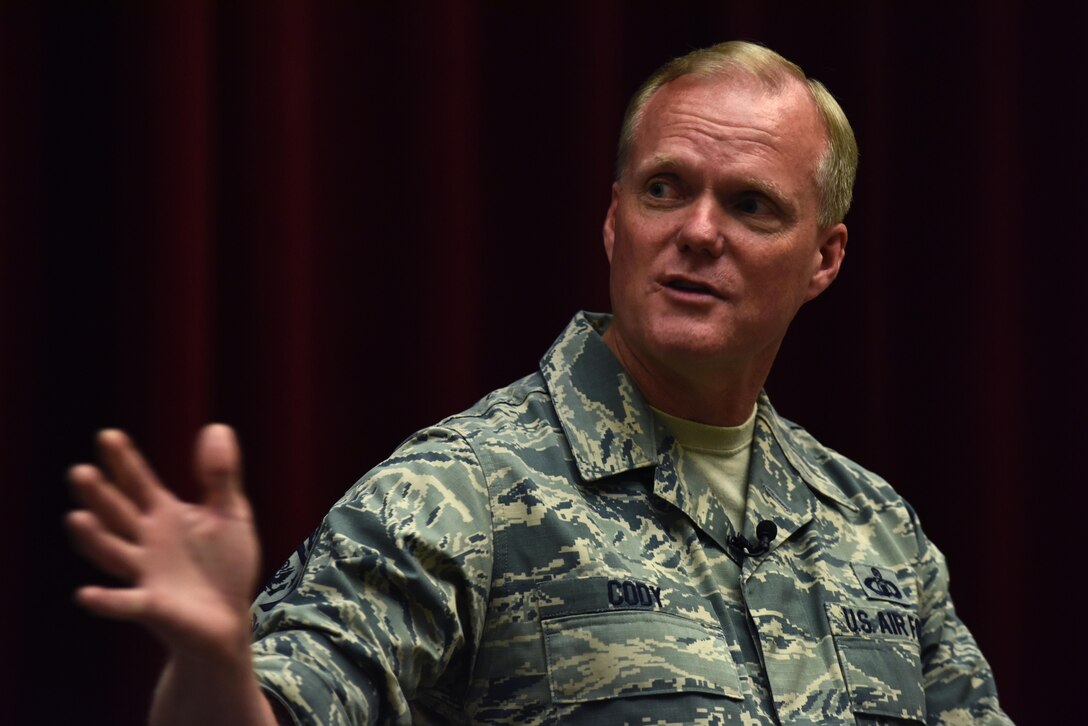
712, 232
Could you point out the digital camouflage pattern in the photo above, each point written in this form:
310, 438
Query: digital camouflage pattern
542, 558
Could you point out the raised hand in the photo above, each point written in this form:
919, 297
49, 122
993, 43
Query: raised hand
191, 569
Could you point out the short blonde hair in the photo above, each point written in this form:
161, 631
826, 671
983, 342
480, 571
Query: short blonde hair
837, 166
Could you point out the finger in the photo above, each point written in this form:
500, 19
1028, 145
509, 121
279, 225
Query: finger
114, 509
217, 460
130, 471
116, 603
105, 549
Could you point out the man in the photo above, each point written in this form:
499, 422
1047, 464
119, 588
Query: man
630, 535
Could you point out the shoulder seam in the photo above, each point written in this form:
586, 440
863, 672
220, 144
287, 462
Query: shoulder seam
505, 402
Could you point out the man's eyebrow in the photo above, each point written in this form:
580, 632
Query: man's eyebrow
765, 186
663, 161
668, 162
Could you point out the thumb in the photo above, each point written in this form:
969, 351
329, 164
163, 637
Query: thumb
217, 460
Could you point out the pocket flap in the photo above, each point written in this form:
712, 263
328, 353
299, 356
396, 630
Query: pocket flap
626, 653
879, 654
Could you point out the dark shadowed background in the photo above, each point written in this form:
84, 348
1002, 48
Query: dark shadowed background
330, 224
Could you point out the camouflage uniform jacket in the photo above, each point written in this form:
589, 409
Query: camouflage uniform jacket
538, 559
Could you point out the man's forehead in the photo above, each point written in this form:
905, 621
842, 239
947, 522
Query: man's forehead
739, 105
721, 89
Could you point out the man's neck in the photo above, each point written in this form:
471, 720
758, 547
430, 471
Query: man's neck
716, 396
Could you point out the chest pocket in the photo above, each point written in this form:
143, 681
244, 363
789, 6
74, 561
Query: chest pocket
614, 646
877, 646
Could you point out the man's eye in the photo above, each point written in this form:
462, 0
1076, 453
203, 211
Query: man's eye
658, 190
752, 205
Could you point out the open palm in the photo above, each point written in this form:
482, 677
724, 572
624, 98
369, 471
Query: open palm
191, 569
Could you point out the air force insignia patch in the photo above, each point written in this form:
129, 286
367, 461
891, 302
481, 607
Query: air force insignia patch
878, 583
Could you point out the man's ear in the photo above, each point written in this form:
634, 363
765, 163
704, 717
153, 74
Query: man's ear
828, 259
609, 230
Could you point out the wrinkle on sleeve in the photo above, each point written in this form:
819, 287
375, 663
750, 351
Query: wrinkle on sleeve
379, 614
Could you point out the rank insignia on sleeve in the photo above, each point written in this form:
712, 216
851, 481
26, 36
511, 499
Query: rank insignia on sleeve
878, 583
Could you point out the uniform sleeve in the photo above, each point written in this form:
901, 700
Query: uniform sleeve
376, 618
959, 685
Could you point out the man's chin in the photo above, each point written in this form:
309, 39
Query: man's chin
691, 338
674, 343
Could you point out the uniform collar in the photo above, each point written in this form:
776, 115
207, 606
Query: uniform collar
804, 455
785, 476
610, 427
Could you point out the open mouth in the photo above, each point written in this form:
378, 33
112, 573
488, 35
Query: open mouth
688, 286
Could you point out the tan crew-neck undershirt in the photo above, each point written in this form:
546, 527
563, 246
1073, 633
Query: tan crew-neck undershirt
718, 456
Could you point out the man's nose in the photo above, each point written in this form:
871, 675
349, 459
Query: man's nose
702, 228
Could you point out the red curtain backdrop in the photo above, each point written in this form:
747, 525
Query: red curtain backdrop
331, 224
